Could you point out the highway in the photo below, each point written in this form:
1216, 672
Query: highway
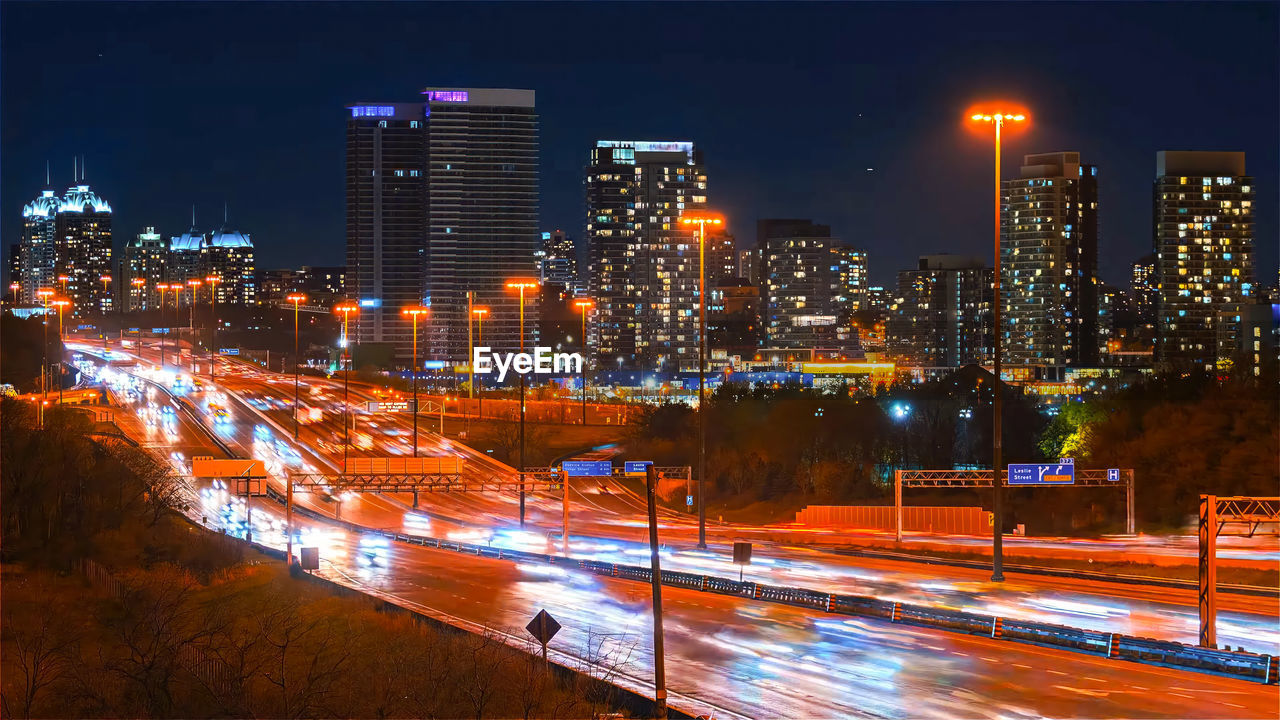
750, 658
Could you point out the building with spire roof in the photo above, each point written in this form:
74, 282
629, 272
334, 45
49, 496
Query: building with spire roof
38, 250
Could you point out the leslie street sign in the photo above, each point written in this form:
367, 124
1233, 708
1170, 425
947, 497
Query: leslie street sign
1058, 474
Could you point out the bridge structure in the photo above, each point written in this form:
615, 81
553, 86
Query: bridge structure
1097, 478
1246, 516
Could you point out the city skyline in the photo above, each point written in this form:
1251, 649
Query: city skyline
763, 168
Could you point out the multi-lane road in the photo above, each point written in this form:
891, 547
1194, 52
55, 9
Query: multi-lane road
736, 656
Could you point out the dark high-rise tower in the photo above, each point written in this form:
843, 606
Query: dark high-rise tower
386, 218
1049, 254
442, 198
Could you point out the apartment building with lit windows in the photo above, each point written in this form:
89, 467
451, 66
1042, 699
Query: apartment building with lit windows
1203, 240
442, 200
941, 313
644, 263
1049, 258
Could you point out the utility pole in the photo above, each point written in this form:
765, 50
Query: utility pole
659, 662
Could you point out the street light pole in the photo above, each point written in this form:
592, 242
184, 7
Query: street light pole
346, 309
44, 294
60, 303
412, 313
702, 221
195, 287
479, 314
165, 328
521, 285
584, 306
214, 281
296, 299
997, 471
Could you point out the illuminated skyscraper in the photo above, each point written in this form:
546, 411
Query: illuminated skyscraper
941, 315
1203, 242
1142, 287
851, 283
38, 251
1049, 256
84, 249
442, 198
228, 254
146, 258
800, 274
558, 260
644, 263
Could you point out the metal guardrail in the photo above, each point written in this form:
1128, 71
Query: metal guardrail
1239, 664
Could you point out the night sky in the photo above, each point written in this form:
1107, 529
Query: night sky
849, 114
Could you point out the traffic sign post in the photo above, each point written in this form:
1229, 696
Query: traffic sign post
543, 627
1113, 474
741, 556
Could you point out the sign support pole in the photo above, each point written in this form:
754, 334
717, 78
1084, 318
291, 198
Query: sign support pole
659, 668
564, 542
1208, 571
1130, 527
897, 504
288, 523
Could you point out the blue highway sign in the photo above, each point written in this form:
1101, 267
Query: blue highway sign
587, 468
1113, 474
1057, 474
636, 467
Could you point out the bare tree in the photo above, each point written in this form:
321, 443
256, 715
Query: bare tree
41, 647
482, 661
308, 656
158, 623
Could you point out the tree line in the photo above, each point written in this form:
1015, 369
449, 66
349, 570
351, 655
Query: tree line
115, 605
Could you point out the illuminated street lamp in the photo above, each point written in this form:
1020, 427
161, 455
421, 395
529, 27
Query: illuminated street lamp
195, 287
61, 304
413, 313
997, 120
346, 309
162, 287
296, 299
479, 312
64, 279
521, 285
702, 220
138, 285
106, 281
44, 294
214, 281
584, 306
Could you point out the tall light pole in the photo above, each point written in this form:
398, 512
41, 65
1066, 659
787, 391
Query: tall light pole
521, 285
106, 294
194, 284
584, 305
997, 121
413, 313
214, 281
296, 299
138, 285
702, 220
44, 294
61, 304
346, 309
162, 287
478, 312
